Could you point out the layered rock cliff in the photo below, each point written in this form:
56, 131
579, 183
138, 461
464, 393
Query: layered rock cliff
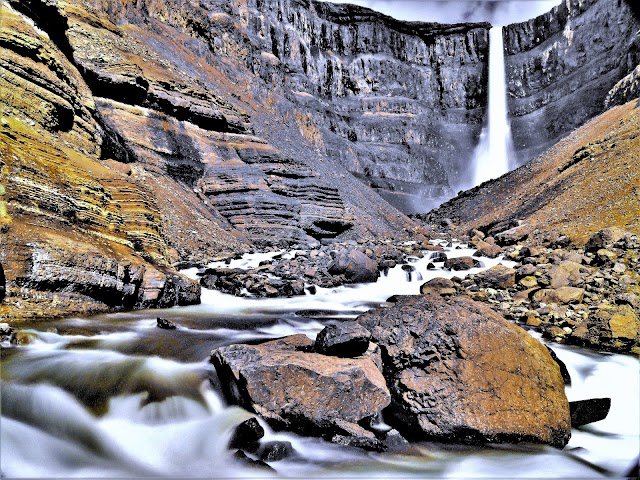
561, 67
131, 146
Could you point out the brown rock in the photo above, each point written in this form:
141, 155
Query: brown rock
294, 389
486, 249
355, 266
562, 295
457, 371
439, 285
498, 276
461, 263
512, 236
604, 238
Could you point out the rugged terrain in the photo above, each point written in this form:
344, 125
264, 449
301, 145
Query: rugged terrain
587, 181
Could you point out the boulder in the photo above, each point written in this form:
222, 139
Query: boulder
496, 277
461, 263
346, 339
486, 249
355, 266
512, 236
3, 284
567, 274
275, 451
561, 296
604, 238
295, 389
589, 411
458, 371
439, 285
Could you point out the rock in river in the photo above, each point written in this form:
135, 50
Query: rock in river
293, 388
457, 371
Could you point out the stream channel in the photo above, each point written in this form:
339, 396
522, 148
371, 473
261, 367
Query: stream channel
115, 396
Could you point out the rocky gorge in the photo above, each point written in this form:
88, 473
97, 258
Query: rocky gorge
203, 240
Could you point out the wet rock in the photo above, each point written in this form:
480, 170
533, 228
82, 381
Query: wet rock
165, 324
457, 371
292, 388
346, 339
584, 412
498, 276
355, 266
461, 263
247, 435
371, 444
275, 451
566, 377
243, 458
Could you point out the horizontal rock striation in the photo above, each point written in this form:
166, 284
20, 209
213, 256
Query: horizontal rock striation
562, 65
130, 148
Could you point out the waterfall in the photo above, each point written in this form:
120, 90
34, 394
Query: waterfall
492, 155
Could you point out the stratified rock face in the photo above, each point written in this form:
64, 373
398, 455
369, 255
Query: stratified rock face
399, 104
295, 389
460, 372
562, 65
131, 145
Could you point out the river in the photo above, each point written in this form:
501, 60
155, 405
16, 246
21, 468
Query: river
115, 396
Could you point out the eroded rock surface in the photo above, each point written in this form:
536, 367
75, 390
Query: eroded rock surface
459, 372
291, 387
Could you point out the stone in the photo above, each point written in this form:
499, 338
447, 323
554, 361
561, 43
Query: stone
461, 263
439, 285
529, 282
275, 451
247, 435
295, 389
624, 323
588, 411
562, 295
243, 458
457, 371
165, 324
486, 249
563, 368
604, 238
345, 339
567, 274
355, 266
512, 236
498, 276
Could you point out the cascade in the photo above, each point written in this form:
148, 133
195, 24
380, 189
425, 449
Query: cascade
491, 158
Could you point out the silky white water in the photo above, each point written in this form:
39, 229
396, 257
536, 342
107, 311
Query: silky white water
492, 156
115, 396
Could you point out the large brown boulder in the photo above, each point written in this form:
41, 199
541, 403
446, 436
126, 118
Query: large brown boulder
293, 388
458, 371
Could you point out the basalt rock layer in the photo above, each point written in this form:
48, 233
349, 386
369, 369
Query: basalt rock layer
563, 69
133, 144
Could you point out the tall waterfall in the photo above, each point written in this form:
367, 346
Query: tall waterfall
495, 147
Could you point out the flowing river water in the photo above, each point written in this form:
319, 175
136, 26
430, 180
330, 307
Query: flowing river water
115, 396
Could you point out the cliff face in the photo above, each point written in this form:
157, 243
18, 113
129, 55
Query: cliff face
399, 105
561, 67
131, 145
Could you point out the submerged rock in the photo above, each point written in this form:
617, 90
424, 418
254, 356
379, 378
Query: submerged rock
293, 388
165, 324
459, 372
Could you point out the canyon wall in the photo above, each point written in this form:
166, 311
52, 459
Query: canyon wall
562, 66
131, 147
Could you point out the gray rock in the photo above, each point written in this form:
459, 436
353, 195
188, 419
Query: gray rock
346, 339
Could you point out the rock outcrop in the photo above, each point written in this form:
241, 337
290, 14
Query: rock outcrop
459, 372
561, 67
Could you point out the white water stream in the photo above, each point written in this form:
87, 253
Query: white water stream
492, 156
114, 396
